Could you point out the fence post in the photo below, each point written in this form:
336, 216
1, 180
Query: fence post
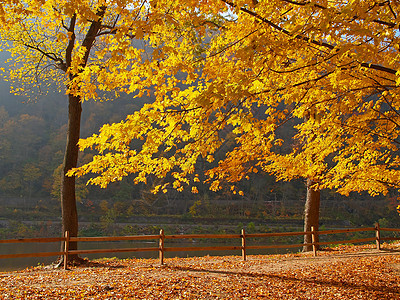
243, 244
378, 236
161, 245
66, 249
313, 239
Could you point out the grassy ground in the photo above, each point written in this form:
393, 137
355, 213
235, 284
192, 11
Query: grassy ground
347, 272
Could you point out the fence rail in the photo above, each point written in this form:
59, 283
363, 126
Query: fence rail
162, 237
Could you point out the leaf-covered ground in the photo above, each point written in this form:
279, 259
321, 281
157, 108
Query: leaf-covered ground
341, 273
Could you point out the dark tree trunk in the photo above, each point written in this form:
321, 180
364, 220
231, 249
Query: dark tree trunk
311, 213
68, 201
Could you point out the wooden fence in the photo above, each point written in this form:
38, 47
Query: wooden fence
161, 249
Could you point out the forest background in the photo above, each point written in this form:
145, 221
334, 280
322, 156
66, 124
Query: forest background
32, 138
31, 170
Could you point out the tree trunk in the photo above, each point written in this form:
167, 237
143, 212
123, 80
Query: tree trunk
311, 213
68, 201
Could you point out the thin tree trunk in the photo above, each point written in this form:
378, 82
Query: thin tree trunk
68, 200
311, 213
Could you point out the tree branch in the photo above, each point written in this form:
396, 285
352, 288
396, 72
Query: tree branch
306, 39
71, 43
49, 55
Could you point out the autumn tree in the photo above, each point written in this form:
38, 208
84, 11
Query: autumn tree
251, 67
84, 48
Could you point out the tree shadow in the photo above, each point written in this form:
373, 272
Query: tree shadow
87, 263
383, 290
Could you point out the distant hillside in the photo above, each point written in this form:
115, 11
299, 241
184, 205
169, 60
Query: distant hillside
32, 142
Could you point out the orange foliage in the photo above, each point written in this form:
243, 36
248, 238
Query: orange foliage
343, 273
235, 72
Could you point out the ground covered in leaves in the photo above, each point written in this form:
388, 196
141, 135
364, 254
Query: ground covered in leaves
350, 272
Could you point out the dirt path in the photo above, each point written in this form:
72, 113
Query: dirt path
342, 273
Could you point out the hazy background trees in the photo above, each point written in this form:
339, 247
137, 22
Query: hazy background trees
32, 139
